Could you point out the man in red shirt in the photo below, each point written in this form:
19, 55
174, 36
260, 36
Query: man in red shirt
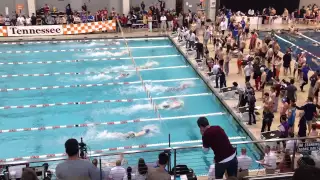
225, 158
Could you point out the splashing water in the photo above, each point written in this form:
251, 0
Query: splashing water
129, 110
157, 89
149, 64
94, 135
106, 53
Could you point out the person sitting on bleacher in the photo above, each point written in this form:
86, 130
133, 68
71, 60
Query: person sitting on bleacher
244, 163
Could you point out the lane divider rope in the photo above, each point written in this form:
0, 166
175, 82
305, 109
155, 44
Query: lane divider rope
86, 73
81, 50
93, 85
96, 102
141, 146
309, 38
84, 60
107, 123
292, 44
90, 40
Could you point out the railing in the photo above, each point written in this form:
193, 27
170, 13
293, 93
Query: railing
192, 156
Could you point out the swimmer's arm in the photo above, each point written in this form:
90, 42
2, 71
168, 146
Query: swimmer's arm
141, 133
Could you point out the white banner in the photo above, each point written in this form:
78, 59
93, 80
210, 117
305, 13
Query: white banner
35, 30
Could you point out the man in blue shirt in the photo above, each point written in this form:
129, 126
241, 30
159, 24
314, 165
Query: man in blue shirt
310, 109
305, 69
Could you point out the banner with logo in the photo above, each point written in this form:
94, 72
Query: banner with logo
34, 30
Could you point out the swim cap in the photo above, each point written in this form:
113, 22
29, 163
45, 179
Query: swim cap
147, 130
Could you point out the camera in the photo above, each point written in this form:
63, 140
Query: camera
83, 149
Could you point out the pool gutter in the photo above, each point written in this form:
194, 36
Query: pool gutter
207, 81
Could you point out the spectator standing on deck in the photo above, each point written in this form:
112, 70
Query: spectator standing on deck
267, 119
74, 167
215, 138
286, 63
291, 91
244, 163
252, 105
163, 20
310, 109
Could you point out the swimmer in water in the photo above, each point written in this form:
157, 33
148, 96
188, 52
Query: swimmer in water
180, 88
138, 134
123, 75
171, 104
315, 44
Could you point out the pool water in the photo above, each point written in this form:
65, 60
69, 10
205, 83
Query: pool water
165, 72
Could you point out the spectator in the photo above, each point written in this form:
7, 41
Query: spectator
46, 9
163, 20
269, 161
284, 131
1, 20
316, 89
286, 164
222, 78
33, 19
28, 21
215, 138
84, 7
244, 163
162, 5
29, 174
95, 162
14, 20
267, 119
143, 6
313, 79
199, 49
252, 105
118, 172
291, 91
305, 70
74, 167
247, 71
306, 173
160, 172
286, 62
310, 110
129, 175
314, 132
7, 21
142, 170
21, 21
223, 26
192, 39
291, 144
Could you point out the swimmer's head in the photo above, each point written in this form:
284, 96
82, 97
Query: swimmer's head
147, 131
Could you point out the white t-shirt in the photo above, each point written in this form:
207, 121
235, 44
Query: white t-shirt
290, 145
192, 37
223, 25
28, 21
244, 162
248, 70
21, 21
215, 69
271, 160
163, 19
117, 173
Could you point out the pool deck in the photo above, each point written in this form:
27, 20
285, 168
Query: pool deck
254, 130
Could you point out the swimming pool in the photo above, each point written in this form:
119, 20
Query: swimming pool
49, 89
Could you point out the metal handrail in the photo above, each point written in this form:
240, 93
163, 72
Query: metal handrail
152, 150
